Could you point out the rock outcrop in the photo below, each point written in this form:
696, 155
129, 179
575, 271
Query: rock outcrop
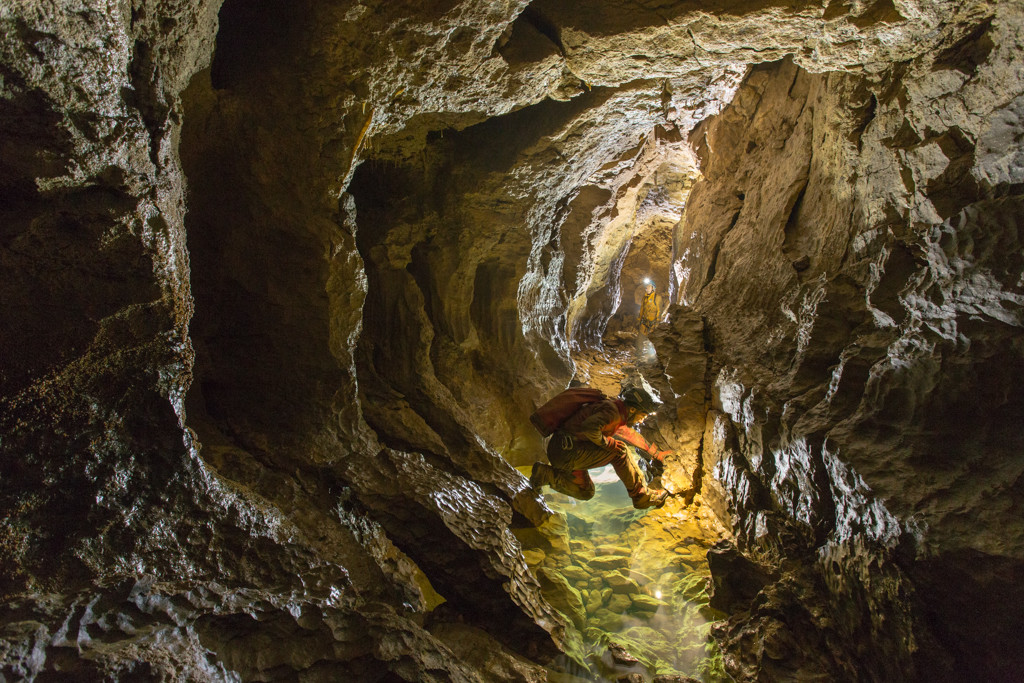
855, 254
283, 280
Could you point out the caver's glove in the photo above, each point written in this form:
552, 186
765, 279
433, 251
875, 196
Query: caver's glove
657, 465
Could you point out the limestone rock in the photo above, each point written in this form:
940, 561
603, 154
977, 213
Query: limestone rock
581, 546
562, 596
576, 573
621, 584
476, 648
735, 579
595, 601
646, 603
615, 550
640, 578
282, 282
619, 603
609, 620
620, 654
606, 563
534, 557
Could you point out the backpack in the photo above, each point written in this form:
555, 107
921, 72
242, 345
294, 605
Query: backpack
550, 416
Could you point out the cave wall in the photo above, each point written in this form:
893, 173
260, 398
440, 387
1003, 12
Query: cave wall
177, 541
282, 280
859, 273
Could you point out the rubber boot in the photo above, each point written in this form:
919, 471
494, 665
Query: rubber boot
650, 498
540, 475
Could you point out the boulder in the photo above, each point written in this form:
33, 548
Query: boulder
575, 573
621, 584
562, 596
610, 562
646, 603
619, 603
639, 577
534, 557
609, 549
607, 620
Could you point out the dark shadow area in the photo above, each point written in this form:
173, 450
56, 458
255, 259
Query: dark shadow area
253, 37
973, 603
263, 367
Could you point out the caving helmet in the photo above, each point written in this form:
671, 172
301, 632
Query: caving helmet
639, 400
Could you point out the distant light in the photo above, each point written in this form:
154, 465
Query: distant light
657, 594
647, 281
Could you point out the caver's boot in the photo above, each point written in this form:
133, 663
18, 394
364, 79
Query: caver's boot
650, 498
541, 474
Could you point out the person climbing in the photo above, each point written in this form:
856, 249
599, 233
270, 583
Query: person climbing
587, 440
653, 462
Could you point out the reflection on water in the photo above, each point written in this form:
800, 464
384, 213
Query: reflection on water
632, 582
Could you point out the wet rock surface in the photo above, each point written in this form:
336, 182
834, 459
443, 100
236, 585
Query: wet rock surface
634, 584
839, 465
282, 282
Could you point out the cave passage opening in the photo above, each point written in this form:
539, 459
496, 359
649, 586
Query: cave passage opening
636, 584
499, 266
445, 290
281, 319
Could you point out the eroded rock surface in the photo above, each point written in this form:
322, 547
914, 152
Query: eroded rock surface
866, 353
283, 280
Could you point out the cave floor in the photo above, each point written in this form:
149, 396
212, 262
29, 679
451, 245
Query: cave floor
634, 583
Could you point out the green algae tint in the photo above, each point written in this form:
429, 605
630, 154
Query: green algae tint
632, 582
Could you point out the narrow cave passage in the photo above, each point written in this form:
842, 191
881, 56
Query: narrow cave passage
479, 265
283, 281
443, 340
636, 584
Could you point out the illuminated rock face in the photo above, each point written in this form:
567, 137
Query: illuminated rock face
855, 253
281, 289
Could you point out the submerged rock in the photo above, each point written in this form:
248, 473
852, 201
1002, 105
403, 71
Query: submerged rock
575, 573
621, 584
621, 655
620, 602
614, 550
534, 557
607, 563
562, 596
646, 603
